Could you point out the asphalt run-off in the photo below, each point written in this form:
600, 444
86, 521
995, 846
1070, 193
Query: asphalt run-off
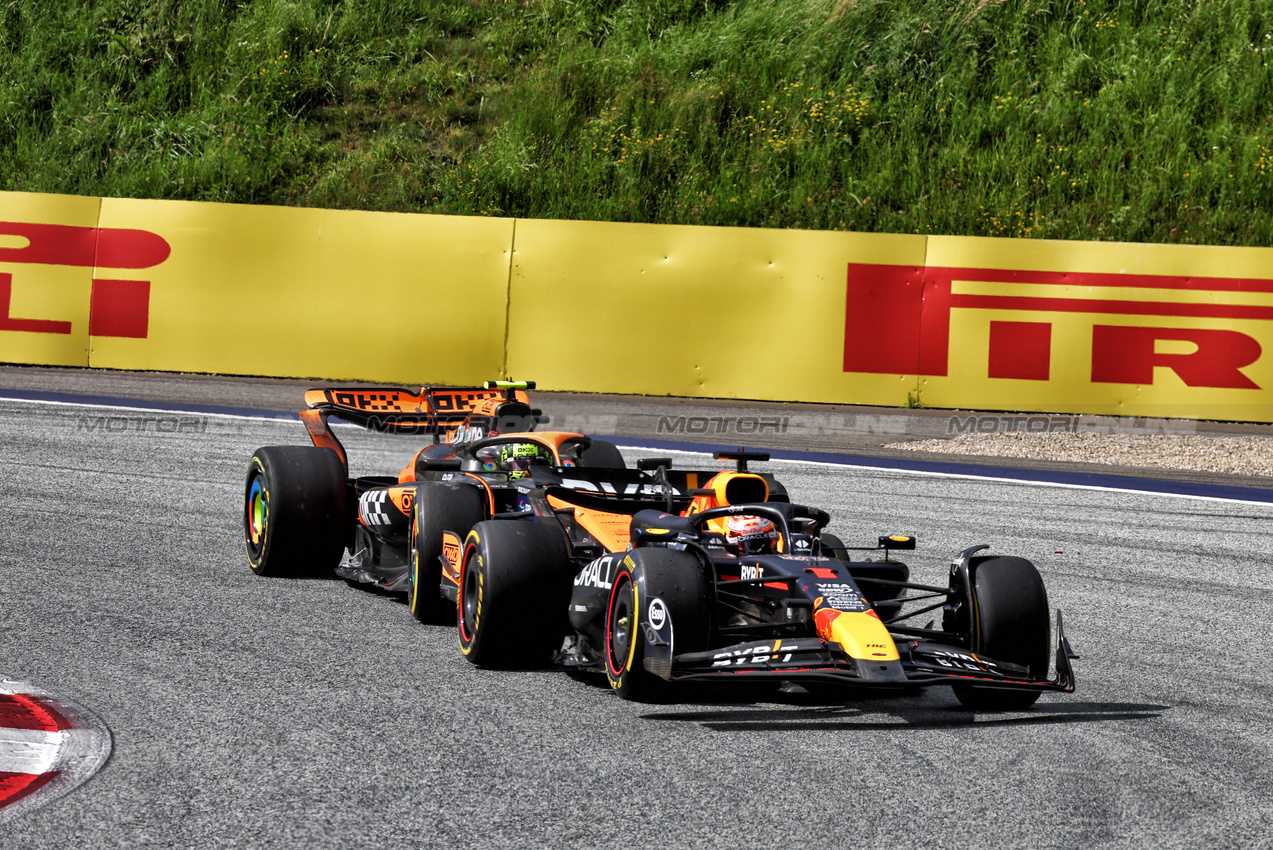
271, 713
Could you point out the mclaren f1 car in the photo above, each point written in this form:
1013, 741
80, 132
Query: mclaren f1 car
730, 581
302, 512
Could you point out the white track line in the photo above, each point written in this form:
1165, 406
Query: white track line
968, 477
284, 417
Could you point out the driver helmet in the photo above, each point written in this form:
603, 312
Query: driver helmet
750, 535
516, 458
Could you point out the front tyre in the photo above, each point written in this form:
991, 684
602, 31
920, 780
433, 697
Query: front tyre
438, 507
515, 582
294, 517
680, 581
1010, 622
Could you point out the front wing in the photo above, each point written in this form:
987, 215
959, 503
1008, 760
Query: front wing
922, 663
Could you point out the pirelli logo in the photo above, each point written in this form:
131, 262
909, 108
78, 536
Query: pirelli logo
898, 320
118, 307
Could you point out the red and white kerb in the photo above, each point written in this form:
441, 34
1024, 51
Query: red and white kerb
48, 747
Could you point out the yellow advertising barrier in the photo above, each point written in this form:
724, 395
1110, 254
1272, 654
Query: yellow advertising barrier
989, 324
48, 248
253, 290
1105, 328
948, 322
714, 312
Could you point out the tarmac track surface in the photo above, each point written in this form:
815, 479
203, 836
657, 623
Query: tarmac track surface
249, 712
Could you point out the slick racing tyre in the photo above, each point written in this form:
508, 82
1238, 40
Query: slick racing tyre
294, 516
515, 582
680, 581
833, 547
602, 455
1009, 622
438, 507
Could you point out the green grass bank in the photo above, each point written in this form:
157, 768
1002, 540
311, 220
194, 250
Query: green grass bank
1133, 120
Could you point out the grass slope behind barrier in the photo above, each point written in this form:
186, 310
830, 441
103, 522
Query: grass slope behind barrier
1076, 119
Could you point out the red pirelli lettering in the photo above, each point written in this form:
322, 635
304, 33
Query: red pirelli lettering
897, 320
1123, 355
117, 308
1021, 350
64, 245
9, 323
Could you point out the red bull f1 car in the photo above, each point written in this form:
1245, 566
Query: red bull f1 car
652, 579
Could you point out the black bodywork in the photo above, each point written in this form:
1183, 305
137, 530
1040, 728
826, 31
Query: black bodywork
817, 611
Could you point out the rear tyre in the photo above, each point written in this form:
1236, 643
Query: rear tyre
515, 582
1009, 622
680, 580
602, 455
438, 507
294, 517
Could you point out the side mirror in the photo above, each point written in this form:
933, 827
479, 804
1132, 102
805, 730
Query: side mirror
897, 541
741, 457
446, 464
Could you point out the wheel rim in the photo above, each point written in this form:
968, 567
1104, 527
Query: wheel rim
415, 579
619, 625
415, 562
257, 513
469, 600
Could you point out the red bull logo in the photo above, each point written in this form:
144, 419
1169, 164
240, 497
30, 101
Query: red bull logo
118, 307
860, 634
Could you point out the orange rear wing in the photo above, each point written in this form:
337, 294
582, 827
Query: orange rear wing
453, 414
429, 410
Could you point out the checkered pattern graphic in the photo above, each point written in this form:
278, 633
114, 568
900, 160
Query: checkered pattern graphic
371, 507
383, 402
375, 402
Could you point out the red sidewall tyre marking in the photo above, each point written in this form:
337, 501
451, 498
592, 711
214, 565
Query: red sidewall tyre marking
465, 638
621, 580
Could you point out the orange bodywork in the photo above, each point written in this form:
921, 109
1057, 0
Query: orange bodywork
729, 488
452, 553
442, 412
407, 475
613, 531
321, 434
402, 498
423, 402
